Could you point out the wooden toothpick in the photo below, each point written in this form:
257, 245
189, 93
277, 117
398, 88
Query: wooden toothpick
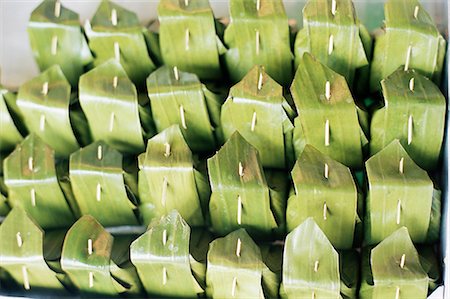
410, 129
257, 41
164, 237
186, 39
238, 247
19, 240
240, 169
328, 90
166, 149
325, 209
89, 247
327, 133
42, 122
26, 281
183, 119
33, 197
333, 7
30, 163
116, 51
326, 170
91, 280
316, 266
54, 47
115, 81
45, 88
253, 124
176, 73
164, 276
400, 165
260, 80
114, 17
330, 44
416, 11
258, 5
233, 287
411, 84
399, 211
111, 121
408, 58
402, 261
57, 8
99, 152
98, 193
397, 293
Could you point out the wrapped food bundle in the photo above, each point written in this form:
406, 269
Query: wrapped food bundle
174, 160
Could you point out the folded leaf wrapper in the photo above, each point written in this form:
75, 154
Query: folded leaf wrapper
393, 269
115, 32
163, 251
98, 184
188, 39
86, 258
235, 269
22, 253
258, 34
342, 47
56, 38
328, 116
414, 112
400, 194
180, 98
257, 109
240, 195
33, 185
310, 264
168, 180
11, 134
110, 101
45, 103
324, 190
409, 39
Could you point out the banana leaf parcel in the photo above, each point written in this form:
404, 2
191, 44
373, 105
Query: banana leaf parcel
188, 38
324, 190
313, 268
23, 256
400, 194
332, 33
57, 38
161, 256
110, 101
10, 121
87, 259
240, 194
328, 117
168, 180
180, 98
257, 109
236, 269
414, 112
46, 103
98, 183
409, 39
258, 34
33, 184
115, 32
393, 269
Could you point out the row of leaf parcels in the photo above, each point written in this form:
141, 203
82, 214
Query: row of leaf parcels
89, 260
191, 39
239, 193
110, 109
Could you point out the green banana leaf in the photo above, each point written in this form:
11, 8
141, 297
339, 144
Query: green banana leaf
333, 36
349, 264
324, 190
413, 107
110, 101
115, 32
383, 275
11, 134
163, 251
198, 248
4, 206
44, 103
97, 178
151, 36
431, 264
400, 194
258, 37
434, 228
255, 108
56, 38
235, 268
188, 37
168, 180
327, 120
86, 257
179, 98
272, 256
310, 264
409, 39
240, 195
32, 183
22, 253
